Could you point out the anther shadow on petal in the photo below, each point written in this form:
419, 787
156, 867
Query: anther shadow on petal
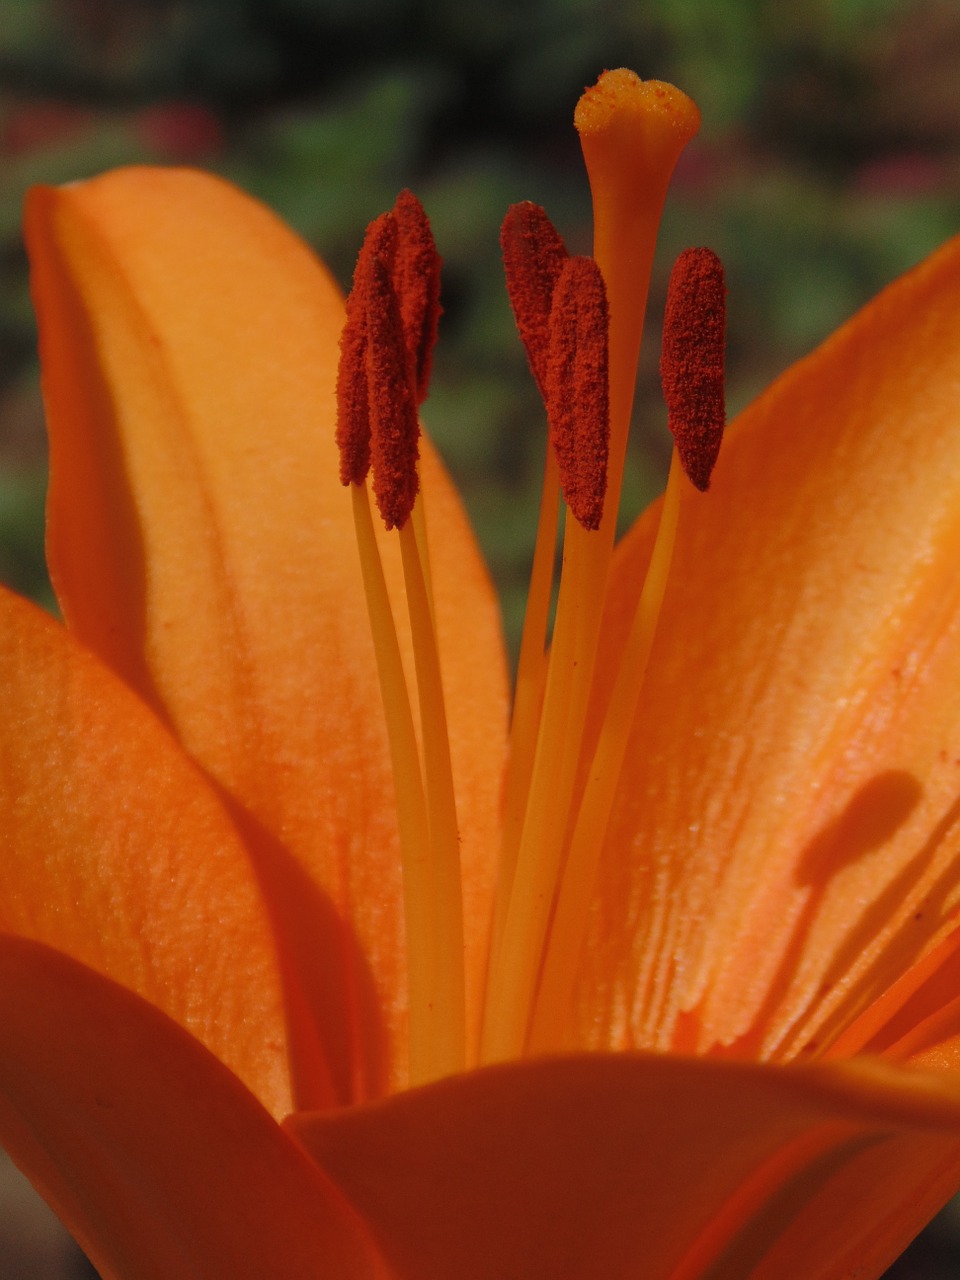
872, 816
930, 912
338, 1041
870, 819
937, 906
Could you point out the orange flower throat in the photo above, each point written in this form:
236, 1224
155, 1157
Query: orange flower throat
580, 319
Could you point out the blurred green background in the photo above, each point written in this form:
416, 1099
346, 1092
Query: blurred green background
829, 162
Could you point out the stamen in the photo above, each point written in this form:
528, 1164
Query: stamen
533, 257
394, 427
691, 362
416, 278
578, 402
388, 340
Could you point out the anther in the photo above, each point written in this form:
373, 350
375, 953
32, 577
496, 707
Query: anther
394, 427
353, 409
353, 406
578, 388
533, 257
691, 361
416, 278
385, 354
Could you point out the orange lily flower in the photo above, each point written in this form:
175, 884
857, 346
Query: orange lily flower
296, 979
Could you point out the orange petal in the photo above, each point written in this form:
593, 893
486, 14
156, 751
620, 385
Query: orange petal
865, 1212
570, 1169
784, 845
117, 852
200, 542
152, 1153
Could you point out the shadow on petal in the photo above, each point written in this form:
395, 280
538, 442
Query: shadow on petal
147, 1147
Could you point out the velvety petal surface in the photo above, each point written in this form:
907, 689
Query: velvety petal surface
117, 852
151, 1152
785, 842
200, 542
665, 1167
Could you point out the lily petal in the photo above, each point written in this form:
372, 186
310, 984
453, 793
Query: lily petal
117, 852
784, 845
200, 542
151, 1152
617, 1166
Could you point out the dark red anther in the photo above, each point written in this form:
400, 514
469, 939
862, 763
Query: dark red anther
692, 360
394, 426
353, 408
416, 278
533, 257
577, 381
385, 353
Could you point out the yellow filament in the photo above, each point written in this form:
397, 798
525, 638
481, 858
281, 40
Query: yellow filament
419, 520
528, 694
540, 856
570, 917
449, 1019
420, 908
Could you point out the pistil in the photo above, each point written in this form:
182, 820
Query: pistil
632, 134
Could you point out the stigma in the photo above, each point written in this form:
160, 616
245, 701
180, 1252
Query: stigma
580, 320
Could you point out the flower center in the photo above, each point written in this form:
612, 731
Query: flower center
580, 319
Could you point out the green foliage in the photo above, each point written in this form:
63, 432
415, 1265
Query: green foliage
21, 534
821, 171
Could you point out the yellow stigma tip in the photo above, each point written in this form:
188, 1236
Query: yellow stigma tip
623, 104
632, 132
